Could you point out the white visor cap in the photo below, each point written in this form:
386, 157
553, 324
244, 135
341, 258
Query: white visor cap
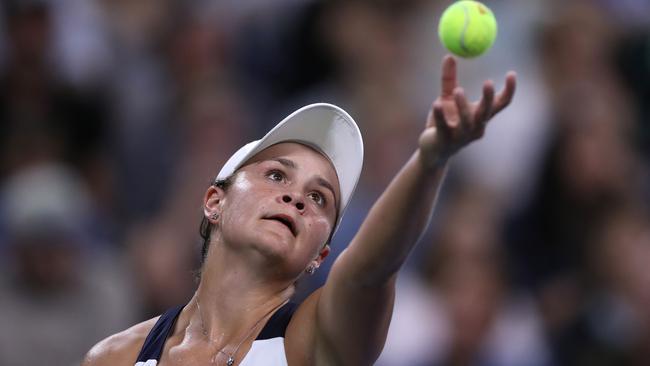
322, 126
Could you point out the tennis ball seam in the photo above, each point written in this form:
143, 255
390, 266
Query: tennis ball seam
463, 46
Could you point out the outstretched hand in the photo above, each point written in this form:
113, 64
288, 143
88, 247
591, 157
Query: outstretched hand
453, 122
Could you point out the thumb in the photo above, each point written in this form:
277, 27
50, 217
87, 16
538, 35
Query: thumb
427, 140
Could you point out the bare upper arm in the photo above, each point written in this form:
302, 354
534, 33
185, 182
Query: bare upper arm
343, 323
121, 348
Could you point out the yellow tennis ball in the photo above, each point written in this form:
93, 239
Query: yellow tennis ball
467, 28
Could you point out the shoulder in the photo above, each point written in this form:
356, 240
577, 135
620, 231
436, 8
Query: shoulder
121, 348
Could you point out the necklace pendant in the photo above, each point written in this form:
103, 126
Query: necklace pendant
231, 361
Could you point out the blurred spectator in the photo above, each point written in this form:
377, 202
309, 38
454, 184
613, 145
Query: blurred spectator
43, 118
613, 327
61, 290
591, 167
618, 316
576, 44
633, 62
142, 103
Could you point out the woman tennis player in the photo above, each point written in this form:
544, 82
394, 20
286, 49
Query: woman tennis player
269, 217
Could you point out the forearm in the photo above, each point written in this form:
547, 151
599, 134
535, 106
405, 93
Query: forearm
396, 221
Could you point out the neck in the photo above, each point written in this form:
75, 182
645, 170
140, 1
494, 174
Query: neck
234, 297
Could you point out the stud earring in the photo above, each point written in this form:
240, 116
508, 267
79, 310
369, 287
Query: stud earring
214, 216
311, 269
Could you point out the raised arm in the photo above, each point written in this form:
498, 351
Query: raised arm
354, 307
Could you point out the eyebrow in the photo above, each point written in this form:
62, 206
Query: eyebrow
320, 180
286, 162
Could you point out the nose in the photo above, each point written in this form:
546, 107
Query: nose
299, 204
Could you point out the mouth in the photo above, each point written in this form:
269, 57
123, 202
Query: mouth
285, 220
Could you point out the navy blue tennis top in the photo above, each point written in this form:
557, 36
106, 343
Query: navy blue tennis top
267, 348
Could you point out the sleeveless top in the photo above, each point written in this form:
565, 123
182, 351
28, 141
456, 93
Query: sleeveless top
267, 348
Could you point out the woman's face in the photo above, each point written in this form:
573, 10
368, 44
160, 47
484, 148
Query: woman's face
281, 206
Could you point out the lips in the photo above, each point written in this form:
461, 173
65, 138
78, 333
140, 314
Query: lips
285, 220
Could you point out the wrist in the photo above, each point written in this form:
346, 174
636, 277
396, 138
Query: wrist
432, 163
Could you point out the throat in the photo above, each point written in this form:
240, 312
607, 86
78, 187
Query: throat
232, 304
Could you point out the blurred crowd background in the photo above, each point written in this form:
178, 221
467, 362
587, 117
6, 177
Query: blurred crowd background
115, 116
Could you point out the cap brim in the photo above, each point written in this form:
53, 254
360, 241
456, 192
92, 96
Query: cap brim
322, 126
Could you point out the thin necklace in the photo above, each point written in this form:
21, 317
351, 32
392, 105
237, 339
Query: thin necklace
231, 357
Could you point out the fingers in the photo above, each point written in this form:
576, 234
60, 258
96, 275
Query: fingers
449, 80
439, 117
484, 109
453, 115
505, 97
464, 113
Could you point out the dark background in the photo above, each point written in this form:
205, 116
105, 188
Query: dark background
115, 115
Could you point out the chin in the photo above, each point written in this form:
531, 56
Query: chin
273, 245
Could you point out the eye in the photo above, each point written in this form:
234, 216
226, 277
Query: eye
275, 175
317, 197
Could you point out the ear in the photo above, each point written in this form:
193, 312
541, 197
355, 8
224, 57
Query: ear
324, 252
212, 202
